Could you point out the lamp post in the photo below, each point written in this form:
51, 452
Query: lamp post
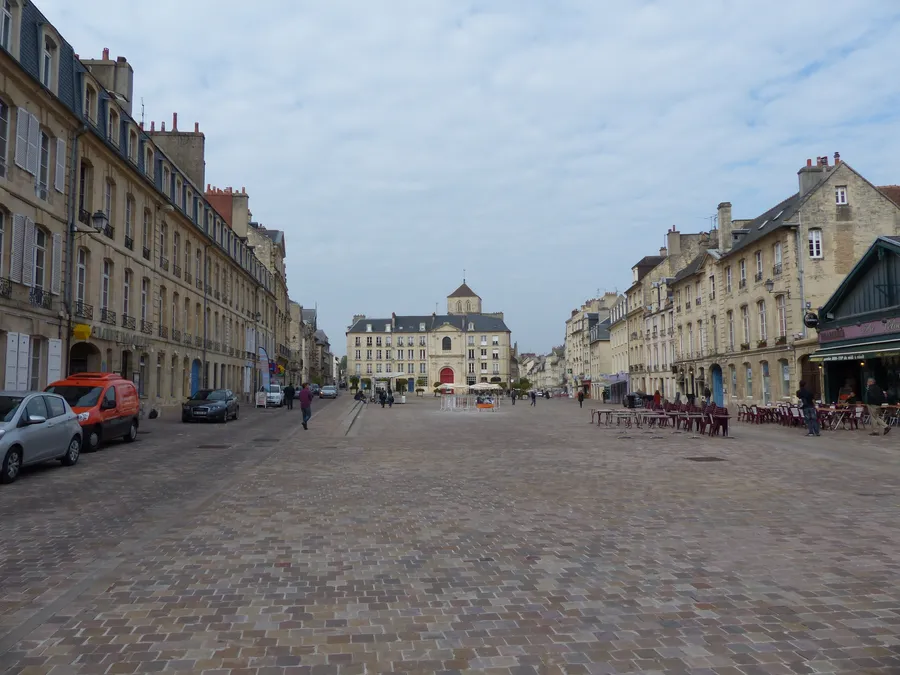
770, 286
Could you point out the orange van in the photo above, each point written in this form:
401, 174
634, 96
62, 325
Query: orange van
107, 406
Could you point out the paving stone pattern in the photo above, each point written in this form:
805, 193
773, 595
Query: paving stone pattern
525, 541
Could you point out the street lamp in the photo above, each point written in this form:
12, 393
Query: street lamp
770, 286
99, 221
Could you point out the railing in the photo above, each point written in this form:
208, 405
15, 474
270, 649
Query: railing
5, 287
781, 340
208, 289
176, 270
687, 305
163, 332
83, 311
745, 346
176, 335
757, 276
188, 339
216, 347
678, 309
164, 263
712, 296
129, 322
697, 302
84, 216
199, 284
147, 327
129, 243
146, 253
198, 341
776, 269
40, 298
107, 316
109, 231
188, 277
209, 344
742, 283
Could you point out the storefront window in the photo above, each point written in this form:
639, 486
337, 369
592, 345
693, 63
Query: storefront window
749, 393
766, 391
785, 378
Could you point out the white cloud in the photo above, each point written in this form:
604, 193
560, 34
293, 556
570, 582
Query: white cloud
544, 146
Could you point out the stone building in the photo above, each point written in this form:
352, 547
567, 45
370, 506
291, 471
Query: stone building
116, 260
322, 372
747, 340
302, 342
578, 339
466, 345
601, 357
619, 378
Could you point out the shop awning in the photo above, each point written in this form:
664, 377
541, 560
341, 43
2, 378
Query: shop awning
857, 351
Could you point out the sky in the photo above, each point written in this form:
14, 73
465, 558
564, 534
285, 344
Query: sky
541, 146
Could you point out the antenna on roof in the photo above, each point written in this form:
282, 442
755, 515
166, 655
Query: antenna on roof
464, 275
142, 110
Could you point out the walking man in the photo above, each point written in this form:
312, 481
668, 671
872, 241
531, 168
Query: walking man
534, 398
580, 399
289, 392
306, 399
513, 396
810, 416
874, 398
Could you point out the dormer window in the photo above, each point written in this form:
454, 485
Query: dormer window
178, 192
7, 30
49, 63
421, 327
148, 161
368, 328
387, 328
166, 181
132, 145
90, 102
471, 326
112, 130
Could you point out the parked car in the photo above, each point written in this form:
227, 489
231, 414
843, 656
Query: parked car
329, 391
36, 427
274, 395
315, 389
107, 406
211, 405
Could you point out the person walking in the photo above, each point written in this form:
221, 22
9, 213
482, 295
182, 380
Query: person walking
657, 399
390, 399
580, 399
533, 398
874, 399
808, 405
306, 399
382, 397
513, 396
289, 392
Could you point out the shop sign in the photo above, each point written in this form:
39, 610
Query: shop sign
844, 357
860, 331
81, 331
118, 336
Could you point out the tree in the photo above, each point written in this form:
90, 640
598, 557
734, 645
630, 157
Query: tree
354, 381
523, 384
402, 384
343, 364
437, 385
422, 381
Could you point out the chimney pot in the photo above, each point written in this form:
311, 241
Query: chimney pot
196, 127
152, 126
106, 53
837, 158
142, 126
824, 160
162, 126
809, 162
121, 59
174, 121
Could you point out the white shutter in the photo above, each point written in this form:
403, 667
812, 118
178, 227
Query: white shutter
56, 264
28, 253
54, 361
12, 360
18, 248
22, 367
34, 145
60, 178
22, 119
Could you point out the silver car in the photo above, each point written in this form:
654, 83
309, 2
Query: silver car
36, 427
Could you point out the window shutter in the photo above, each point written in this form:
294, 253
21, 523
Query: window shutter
60, 178
34, 145
22, 119
18, 248
54, 361
23, 363
28, 253
56, 265
12, 360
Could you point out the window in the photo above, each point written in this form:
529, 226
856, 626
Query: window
782, 315
715, 334
733, 380
40, 258
129, 222
112, 130
745, 321
4, 137
496, 369
471, 367
378, 368
759, 266
749, 391
743, 273
368, 355
43, 178
421, 327
34, 375
785, 378
712, 287
471, 326
357, 341
55, 405
132, 145
690, 351
728, 279
730, 319
378, 354
840, 195
495, 340
446, 344
104, 284
422, 368
761, 310
6, 26
815, 243
108, 196
179, 193
126, 298
368, 369
368, 342
410, 368
358, 368
166, 181
778, 254
377, 341
148, 161
145, 295
145, 233
80, 276
198, 264
90, 102
48, 63
422, 354
387, 341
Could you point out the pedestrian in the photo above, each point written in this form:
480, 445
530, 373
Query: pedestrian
289, 392
382, 397
874, 399
657, 399
707, 394
306, 399
513, 396
533, 398
580, 399
810, 415
390, 399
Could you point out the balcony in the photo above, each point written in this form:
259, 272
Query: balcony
129, 243
687, 305
742, 283
146, 327
745, 346
188, 278
712, 296
199, 284
781, 340
176, 270
208, 289
5, 288
217, 346
128, 322
164, 263
146, 253
198, 341
84, 311
776, 269
109, 231
757, 277
697, 302
217, 295
84, 216
163, 332
107, 316
188, 339
209, 344
176, 335
40, 298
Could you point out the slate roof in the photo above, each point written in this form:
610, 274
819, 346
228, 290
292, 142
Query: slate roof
410, 324
464, 292
275, 235
308, 315
775, 218
600, 331
692, 267
321, 337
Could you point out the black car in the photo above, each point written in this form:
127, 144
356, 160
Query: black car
211, 405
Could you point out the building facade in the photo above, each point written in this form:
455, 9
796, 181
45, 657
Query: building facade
578, 339
116, 260
463, 346
619, 379
601, 358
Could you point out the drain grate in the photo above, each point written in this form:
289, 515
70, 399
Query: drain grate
704, 459
213, 447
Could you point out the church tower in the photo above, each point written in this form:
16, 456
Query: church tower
463, 301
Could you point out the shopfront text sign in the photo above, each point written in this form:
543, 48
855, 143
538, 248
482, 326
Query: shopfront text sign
860, 331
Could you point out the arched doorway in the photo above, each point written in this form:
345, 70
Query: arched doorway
127, 364
810, 373
186, 377
446, 375
195, 376
718, 386
84, 358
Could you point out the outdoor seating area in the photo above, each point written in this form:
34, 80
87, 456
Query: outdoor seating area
708, 419
853, 416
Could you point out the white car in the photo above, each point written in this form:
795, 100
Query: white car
274, 395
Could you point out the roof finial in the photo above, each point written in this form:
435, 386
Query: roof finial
464, 275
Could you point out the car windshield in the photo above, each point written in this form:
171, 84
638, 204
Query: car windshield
78, 397
327, 388
209, 395
8, 407
274, 388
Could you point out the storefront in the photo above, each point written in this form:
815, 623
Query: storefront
859, 327
618, 387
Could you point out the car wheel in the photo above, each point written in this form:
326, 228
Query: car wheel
91, 440
73, 453
225, 417
12, 465
236, 411
132, 433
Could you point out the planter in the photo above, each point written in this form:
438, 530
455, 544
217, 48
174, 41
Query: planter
745, 347
403, 399
781, 340
761, 344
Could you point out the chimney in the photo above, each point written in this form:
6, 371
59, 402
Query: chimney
174, 121
106, 53
152, 126
162, 126
196, 127
673, 239
724, 218
663, 252
837, 158
810, 176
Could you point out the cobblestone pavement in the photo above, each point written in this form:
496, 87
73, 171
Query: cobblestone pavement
525, 541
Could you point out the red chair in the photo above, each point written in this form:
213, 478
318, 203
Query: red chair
719, 421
